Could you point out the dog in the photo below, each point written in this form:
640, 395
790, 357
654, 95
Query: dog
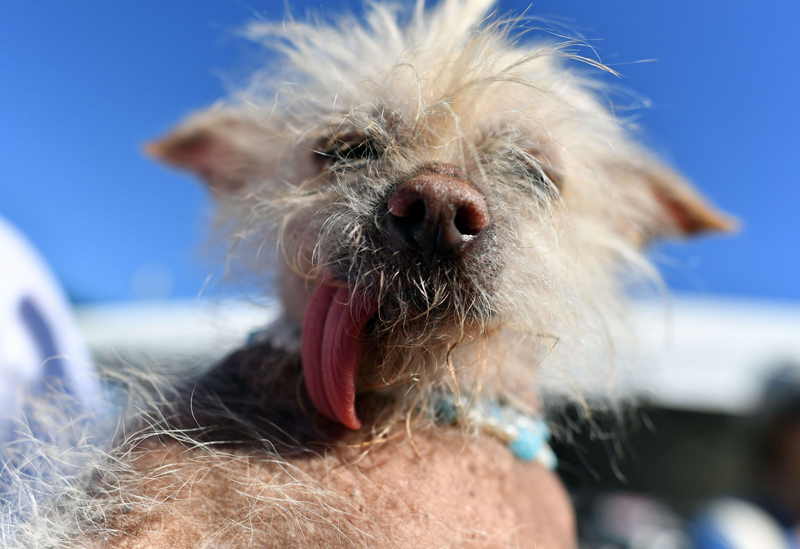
452, 207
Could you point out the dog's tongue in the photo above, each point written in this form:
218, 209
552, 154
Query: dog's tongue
331, 349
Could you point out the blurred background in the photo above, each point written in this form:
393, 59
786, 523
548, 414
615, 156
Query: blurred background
83, 85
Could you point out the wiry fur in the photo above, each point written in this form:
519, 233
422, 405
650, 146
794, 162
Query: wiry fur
448, 87
572, 197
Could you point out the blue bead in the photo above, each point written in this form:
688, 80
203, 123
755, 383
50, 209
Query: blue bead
541, 425
445, 410
527, 446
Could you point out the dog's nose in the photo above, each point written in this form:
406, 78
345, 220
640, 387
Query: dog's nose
437, 211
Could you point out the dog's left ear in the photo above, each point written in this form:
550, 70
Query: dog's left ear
670, 206
225, 148
690, 214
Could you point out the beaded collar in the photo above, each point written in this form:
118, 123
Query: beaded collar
527, 437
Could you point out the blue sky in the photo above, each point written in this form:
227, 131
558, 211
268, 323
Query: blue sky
84, 84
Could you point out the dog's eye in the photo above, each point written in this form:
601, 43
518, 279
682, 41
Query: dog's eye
537, 167
350, 148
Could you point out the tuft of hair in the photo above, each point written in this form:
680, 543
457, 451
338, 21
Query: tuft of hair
301, 159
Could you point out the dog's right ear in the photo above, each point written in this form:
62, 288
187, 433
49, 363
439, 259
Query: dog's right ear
224, 147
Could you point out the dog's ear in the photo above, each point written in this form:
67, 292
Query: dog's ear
669, 206
225, 148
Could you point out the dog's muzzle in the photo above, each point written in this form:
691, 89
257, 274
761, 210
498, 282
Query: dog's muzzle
436, 213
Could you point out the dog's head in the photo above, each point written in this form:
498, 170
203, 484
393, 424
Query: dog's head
431, 183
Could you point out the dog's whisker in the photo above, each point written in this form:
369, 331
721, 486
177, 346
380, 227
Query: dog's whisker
455, 213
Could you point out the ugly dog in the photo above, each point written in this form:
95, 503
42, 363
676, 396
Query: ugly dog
446, 202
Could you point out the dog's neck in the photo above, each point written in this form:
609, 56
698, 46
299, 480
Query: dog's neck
525, 435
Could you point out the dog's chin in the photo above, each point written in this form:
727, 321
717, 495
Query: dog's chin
397, 354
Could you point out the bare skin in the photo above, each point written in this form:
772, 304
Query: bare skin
462, 206
453, 205
294, 479
441, 491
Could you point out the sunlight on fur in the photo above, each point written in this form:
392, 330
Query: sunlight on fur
302, 161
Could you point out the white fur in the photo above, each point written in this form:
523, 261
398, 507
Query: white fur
570, 192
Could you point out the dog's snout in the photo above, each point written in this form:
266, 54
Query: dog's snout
437, 211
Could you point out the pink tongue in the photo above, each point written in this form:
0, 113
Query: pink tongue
331, 349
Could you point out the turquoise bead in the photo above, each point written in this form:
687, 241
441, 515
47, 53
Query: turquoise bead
446, 411
527, 446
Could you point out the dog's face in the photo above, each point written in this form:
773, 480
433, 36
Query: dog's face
431, 184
